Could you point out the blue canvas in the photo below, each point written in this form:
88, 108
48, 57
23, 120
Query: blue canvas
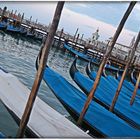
97, 116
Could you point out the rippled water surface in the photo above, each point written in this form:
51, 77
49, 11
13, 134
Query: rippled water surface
17, 56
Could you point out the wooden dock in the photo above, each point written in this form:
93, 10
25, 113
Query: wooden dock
44, 121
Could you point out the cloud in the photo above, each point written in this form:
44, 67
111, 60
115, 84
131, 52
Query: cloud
137, 6
70, 20
88, 25
82, 5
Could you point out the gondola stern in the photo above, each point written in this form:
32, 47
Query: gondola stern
73, 68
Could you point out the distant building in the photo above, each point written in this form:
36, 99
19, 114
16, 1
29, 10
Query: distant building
121, 51
95, 37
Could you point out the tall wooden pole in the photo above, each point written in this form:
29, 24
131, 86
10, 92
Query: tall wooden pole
135, 90
3, 11
124, 73
75, 35
76, 40
39, 75
81, 38
107, 54
60, 36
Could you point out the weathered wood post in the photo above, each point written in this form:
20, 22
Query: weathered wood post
75, 35
124, 73
76, 40
15, 16
22, 17
81, 38
134, 60
135, 90
39, 74
107, 54
30, 19
3, 11
60, 36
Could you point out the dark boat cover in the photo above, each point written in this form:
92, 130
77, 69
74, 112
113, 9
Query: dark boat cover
133, 79
128, 85
97, 116
105, 93
81, 55
88, 58
13, 29
3, 24
2, 135
109, 67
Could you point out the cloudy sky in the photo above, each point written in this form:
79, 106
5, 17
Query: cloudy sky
87, 16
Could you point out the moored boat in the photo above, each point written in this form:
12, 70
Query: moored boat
133, 78
44, 121
105, 93
127, 84
99, 121
13, 29
3, 25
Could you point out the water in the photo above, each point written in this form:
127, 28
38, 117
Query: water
17, 56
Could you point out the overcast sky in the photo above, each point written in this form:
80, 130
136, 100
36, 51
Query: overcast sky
87, 16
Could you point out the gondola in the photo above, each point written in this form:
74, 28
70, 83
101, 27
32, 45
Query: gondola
89, 58
44, 121
92, 75
99, 121
133, 78
30, 35
104, 95
81, 55
23, 30
127, 84
3, 25
89, 71
38, 37
13, 29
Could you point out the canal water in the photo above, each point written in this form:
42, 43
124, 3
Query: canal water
17, 56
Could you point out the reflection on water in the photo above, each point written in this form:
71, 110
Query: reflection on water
17, 56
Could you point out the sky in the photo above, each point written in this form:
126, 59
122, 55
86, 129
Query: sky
87, 16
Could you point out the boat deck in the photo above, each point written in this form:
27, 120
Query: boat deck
44, 121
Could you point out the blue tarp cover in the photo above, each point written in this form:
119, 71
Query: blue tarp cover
135, 81
97, 116
2, 135
128, 85
81, 55
105, 93
12, 28
113, 68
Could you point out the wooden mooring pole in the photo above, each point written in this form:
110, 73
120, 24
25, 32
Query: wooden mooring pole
39, 75
81, 39
75, 35
124, 73
4, 11
107, 54
135, 90
76, 40
60, 36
